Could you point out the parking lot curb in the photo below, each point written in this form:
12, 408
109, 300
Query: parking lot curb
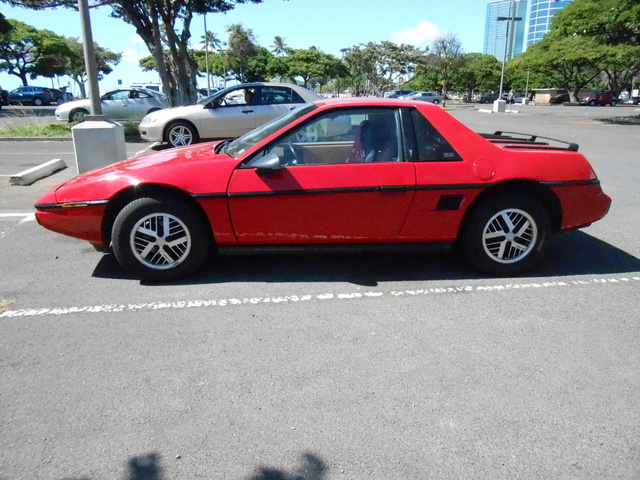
29, 176
35, 139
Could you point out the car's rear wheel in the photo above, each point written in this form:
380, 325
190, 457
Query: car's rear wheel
613, 103
160, 239
436, 101
506, 235
180, 134
38, 102
78, 115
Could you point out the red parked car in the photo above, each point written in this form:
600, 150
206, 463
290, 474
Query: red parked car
601, 98
342, 173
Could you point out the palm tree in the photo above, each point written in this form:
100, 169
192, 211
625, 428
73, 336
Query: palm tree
210, 40
279, 47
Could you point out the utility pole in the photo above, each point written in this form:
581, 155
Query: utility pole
90, 61
509, 39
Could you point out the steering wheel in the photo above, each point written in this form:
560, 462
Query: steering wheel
294, 155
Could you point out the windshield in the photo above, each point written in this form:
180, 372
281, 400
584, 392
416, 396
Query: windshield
248, 140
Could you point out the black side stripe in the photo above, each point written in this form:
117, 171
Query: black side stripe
383, 189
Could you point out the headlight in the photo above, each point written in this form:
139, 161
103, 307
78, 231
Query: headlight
147, 119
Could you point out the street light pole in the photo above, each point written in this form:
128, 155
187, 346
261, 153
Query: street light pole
90, 61
509, 38
206, 55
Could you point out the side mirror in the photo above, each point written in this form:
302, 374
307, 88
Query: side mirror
267, 165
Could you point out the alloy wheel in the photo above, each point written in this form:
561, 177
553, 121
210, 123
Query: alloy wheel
509, 236
160, 241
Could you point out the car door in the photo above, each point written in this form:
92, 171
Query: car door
326, 190
273, 101
116, 104
229, 115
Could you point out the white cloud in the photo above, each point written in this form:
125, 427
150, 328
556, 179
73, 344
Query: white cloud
134, 56
420, 36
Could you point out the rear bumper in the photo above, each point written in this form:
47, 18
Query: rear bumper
582, 205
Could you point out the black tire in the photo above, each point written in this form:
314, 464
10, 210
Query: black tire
592, 103
506, 235
436, 102
180, 134
613, 103
147, 254
37, 101
78, 115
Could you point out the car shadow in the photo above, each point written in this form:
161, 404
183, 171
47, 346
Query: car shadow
572, 253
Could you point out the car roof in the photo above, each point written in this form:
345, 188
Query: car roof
372, 102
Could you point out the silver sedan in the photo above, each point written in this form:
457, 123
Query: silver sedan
228, 113
426, 97
129, 104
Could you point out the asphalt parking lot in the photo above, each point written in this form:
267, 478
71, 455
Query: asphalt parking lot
389, 366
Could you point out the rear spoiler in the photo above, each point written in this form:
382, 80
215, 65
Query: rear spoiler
524, 140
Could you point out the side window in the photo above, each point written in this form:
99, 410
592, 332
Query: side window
344, 136
239, 96
432, 146
278, 96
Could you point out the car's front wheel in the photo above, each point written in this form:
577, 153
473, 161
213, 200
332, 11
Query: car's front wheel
436, 101
38, 102
78, 115
180, 134
160, 239
506, 235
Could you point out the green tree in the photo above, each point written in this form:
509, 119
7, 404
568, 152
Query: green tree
241, 48
476, 72
311, 63
5, 26
380, 65
445, 58
571, 63
279, 47
75, 67
27, 52
161, 25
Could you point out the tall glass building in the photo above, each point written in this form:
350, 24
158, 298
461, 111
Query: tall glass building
495, 33
540, 15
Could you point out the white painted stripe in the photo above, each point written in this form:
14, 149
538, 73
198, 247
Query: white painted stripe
234, 302
3, 215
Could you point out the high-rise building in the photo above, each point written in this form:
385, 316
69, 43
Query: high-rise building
540, 15
505, 17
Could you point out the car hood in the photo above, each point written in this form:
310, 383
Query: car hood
68, 106
189, 111
195, 169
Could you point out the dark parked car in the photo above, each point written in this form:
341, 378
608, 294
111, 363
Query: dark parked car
4, 97
600, 98
560, 98
486, 97
31, 95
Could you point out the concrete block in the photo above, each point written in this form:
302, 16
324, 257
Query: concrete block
27, 177
499, 106
98, 144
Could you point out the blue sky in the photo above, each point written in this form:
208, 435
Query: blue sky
327, 24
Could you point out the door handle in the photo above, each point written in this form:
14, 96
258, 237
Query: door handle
247, 111
393, 188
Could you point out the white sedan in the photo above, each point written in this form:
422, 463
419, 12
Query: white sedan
228, 113
129, 104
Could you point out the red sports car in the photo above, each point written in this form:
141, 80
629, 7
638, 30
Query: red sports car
344, 173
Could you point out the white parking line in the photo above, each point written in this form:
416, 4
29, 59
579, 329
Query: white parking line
324, 297
26, 217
